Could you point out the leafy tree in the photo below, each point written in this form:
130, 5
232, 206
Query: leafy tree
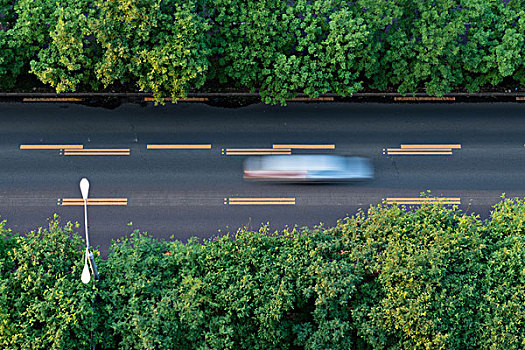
281, 48
421, 273
503, 309
140, 294
254, 290
68, 60
418, 48
493, 44
10, 61
30, 33
157, 45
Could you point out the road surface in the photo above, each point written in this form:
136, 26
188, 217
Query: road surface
198, 190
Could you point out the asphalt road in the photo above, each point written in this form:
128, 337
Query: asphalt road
188, 193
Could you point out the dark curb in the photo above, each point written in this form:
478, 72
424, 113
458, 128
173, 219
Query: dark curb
241, 99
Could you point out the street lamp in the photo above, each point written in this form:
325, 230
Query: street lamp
86, 276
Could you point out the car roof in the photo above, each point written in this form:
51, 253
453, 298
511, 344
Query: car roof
297, 162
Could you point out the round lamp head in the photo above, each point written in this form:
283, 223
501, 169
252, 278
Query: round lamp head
84, 188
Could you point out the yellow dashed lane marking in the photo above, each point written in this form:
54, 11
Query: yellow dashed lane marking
423, 149
93, 201
457, 146
262, 203
205, 146
51, 146
103, 150
277, 171
254, 153
257, 149
421, 153
418, 149
278, 149
97, 152
305, 146
259, 201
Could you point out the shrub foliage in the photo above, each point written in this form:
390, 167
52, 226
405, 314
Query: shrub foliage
429, 277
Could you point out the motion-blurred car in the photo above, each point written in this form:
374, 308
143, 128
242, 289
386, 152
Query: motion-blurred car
308, 168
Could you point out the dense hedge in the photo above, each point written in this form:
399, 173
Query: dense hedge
390, 278
275, 47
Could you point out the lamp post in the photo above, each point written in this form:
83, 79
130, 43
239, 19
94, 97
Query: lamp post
86, 276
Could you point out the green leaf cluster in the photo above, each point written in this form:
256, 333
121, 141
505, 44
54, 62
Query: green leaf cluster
156, 45
42, 305
392, 277
254, 290
284, 47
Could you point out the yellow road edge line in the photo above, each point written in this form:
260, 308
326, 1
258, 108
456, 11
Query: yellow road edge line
457, 146
96, 153
418, 149
420, 153
166, 146
51, 146
258, 149
254, 153
304, 146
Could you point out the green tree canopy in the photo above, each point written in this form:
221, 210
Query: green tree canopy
156, 45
